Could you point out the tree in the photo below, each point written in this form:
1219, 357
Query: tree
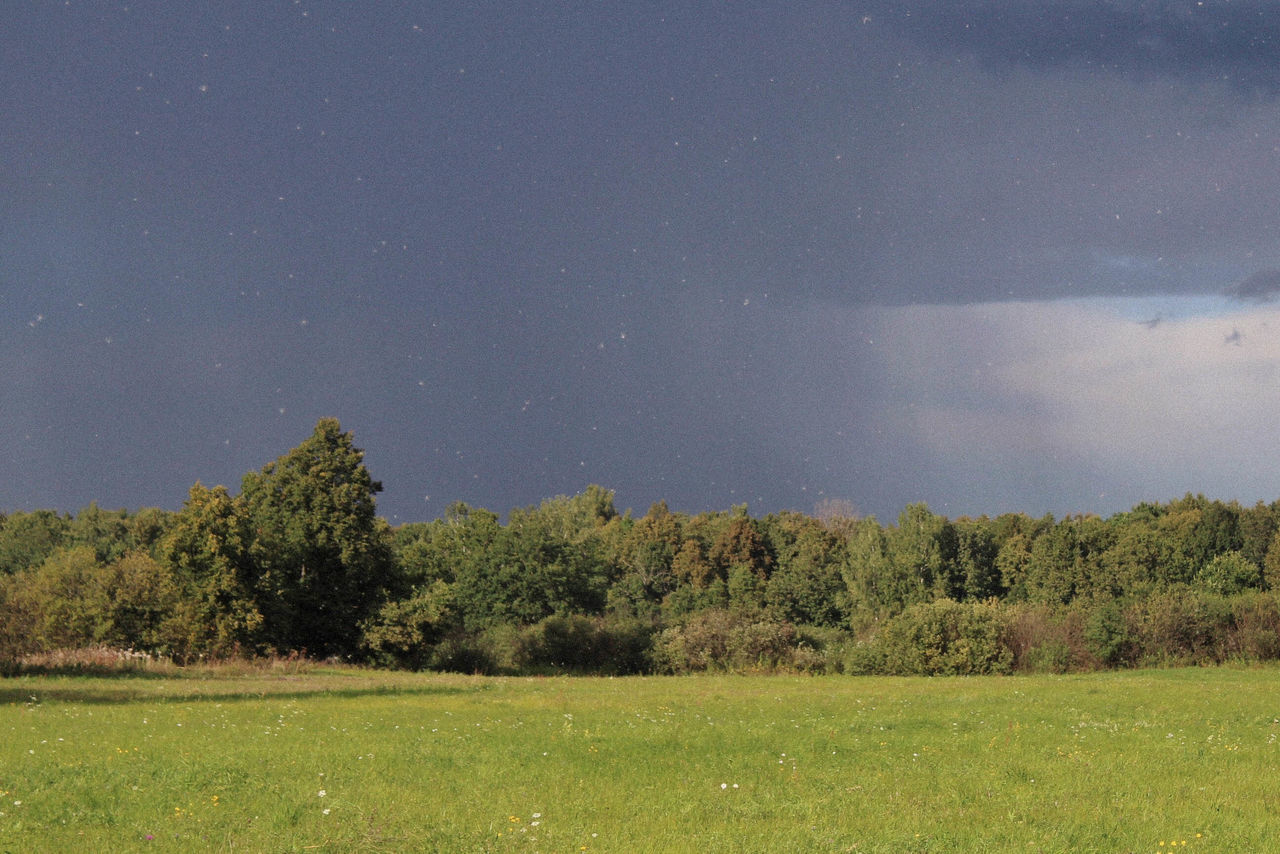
1230, 573
741, 556
321, 555
104, 531
923, 551
806, 586
646, 556
208, 550
869, 573
26, 539
60, 600
976, 552
1012, 561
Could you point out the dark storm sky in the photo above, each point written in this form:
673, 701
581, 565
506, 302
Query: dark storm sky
993, 256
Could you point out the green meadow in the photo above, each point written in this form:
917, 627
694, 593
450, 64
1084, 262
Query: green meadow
337, 760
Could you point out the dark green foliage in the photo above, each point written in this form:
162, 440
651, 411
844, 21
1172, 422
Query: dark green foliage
526, 572
321, 555
299, 562
26, 539
405, 631
719, 640
578, 644
978, 576
207, 547
806, 586
1108, 635
946, 638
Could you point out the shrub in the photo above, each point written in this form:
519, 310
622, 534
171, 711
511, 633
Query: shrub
404, 630
1183, 626
725, 641
1228, 573
822, 649
1256, 617
1107, 635
947, 638
577, 644
863, 658
1051, 655
463, 653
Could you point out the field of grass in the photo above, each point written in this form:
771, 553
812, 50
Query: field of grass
335, 760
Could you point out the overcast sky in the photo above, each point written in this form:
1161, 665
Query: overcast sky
992, 256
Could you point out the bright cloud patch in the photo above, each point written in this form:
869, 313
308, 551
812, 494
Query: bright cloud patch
1140, 409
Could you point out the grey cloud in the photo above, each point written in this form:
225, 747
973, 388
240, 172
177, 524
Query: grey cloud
1262, 286
1237, 43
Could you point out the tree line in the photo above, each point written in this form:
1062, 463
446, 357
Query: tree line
298, 561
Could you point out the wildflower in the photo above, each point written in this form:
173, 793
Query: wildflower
322, 793
324, 811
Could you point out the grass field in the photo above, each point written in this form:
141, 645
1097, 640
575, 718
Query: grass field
349, 760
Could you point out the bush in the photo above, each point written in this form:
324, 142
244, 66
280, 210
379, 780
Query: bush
1183, 626
723, 641
863, 658
1257, 627
1106, 632
1049, 639
1228, 573
1051, 655
404, 630
946, 638
822, 649
577, 644
463, 653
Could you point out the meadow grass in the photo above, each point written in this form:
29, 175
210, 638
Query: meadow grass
338, 760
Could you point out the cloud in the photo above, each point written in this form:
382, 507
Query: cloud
1261, 287
1237, 43
1080, 399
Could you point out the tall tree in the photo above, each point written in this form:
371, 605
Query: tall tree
208, 551
322, 555
26, 539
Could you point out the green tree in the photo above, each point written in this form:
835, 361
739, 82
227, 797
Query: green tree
806, 586
208, 550
1012, 562
1133, 561
922, 549
104, 531
26, 539
741, 556
60, 600
1230, 573
321, 554
976, 551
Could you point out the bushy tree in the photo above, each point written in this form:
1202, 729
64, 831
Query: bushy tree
321, 555
71, 601
208, 549
26, 539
